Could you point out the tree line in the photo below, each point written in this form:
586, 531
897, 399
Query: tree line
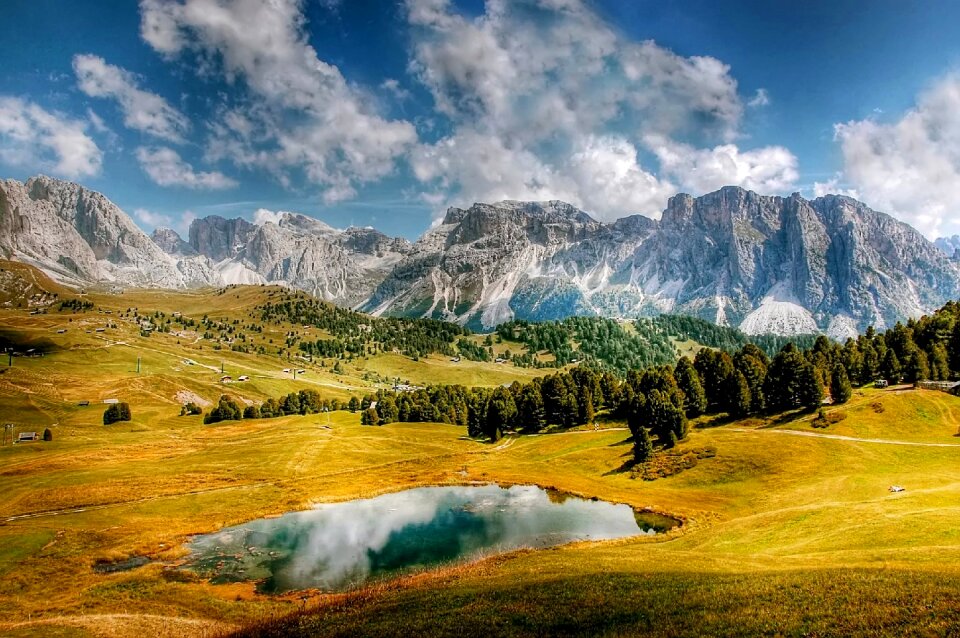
658, 401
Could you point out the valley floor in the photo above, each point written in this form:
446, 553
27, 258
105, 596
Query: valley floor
782, 535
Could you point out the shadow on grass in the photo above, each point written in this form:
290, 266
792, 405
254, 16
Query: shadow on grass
624, 467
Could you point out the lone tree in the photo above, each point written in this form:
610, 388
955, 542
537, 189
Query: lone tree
116, 412
47, 435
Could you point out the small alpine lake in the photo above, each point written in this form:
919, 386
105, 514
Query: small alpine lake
342, 545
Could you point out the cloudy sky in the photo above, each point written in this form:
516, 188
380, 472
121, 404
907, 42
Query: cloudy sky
385, 112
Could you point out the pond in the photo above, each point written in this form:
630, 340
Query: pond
337, 546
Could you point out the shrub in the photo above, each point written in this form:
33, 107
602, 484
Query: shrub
47, 435
116, 412
190, 409
227, 410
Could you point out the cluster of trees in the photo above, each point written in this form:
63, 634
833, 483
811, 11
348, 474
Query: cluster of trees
302, 402
593, 341
723, 337
116, 412
75, 305
565, 399
354, 334
658, 401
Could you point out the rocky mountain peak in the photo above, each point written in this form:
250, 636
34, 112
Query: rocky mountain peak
171, 243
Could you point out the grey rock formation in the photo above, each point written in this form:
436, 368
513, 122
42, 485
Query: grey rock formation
765, 264
79, 236
950, 245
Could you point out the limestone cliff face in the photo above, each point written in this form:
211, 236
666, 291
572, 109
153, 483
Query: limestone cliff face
785, 265
766, 264
79, 236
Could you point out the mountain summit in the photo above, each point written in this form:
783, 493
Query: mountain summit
784, 265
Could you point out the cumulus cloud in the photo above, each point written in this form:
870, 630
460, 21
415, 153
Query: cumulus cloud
34, 138
300, 113
760, 98
142, 110
911, 167
771, 169
545, 100
834, 186
149, 219
264, 216
165, 167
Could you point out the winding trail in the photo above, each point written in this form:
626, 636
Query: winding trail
839, 437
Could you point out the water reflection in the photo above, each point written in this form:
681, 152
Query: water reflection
339, 545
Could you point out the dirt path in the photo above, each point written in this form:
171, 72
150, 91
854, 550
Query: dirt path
839, 437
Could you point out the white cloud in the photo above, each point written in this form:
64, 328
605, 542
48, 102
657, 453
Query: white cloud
760, 98
150, 219
166, 168
34, 138
301, 115
834, 186
263, 216
392, 86
142, 110
910, 168
545, 101
771, 169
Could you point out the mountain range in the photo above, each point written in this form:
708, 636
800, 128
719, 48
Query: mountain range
783, 265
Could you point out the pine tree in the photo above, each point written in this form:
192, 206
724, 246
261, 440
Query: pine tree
688, 380
642, 446
501, 411
840, 388
738, 395
917, 367
530, 412
811, 387
890, 368
954, 347
939, 363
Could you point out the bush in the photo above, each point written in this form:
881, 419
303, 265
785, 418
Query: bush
190, 409
227, 410
116, 412
47, 435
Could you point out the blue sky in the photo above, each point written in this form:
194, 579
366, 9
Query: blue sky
384, 113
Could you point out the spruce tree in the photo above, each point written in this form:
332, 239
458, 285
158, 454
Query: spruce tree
688, 380
501, 411
642, 446
840, 388
738, 395
890, 368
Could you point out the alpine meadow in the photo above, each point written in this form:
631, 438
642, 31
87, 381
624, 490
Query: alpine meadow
479, 318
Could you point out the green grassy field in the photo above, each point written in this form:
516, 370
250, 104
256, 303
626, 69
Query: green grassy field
788, 529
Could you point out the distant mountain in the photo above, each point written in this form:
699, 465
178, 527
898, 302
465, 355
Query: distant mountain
79, 236
763, 264
950, 245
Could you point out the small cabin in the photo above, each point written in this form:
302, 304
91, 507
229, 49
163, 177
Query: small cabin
242, 378
83, 404
25, 437
226, 378
111, 401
